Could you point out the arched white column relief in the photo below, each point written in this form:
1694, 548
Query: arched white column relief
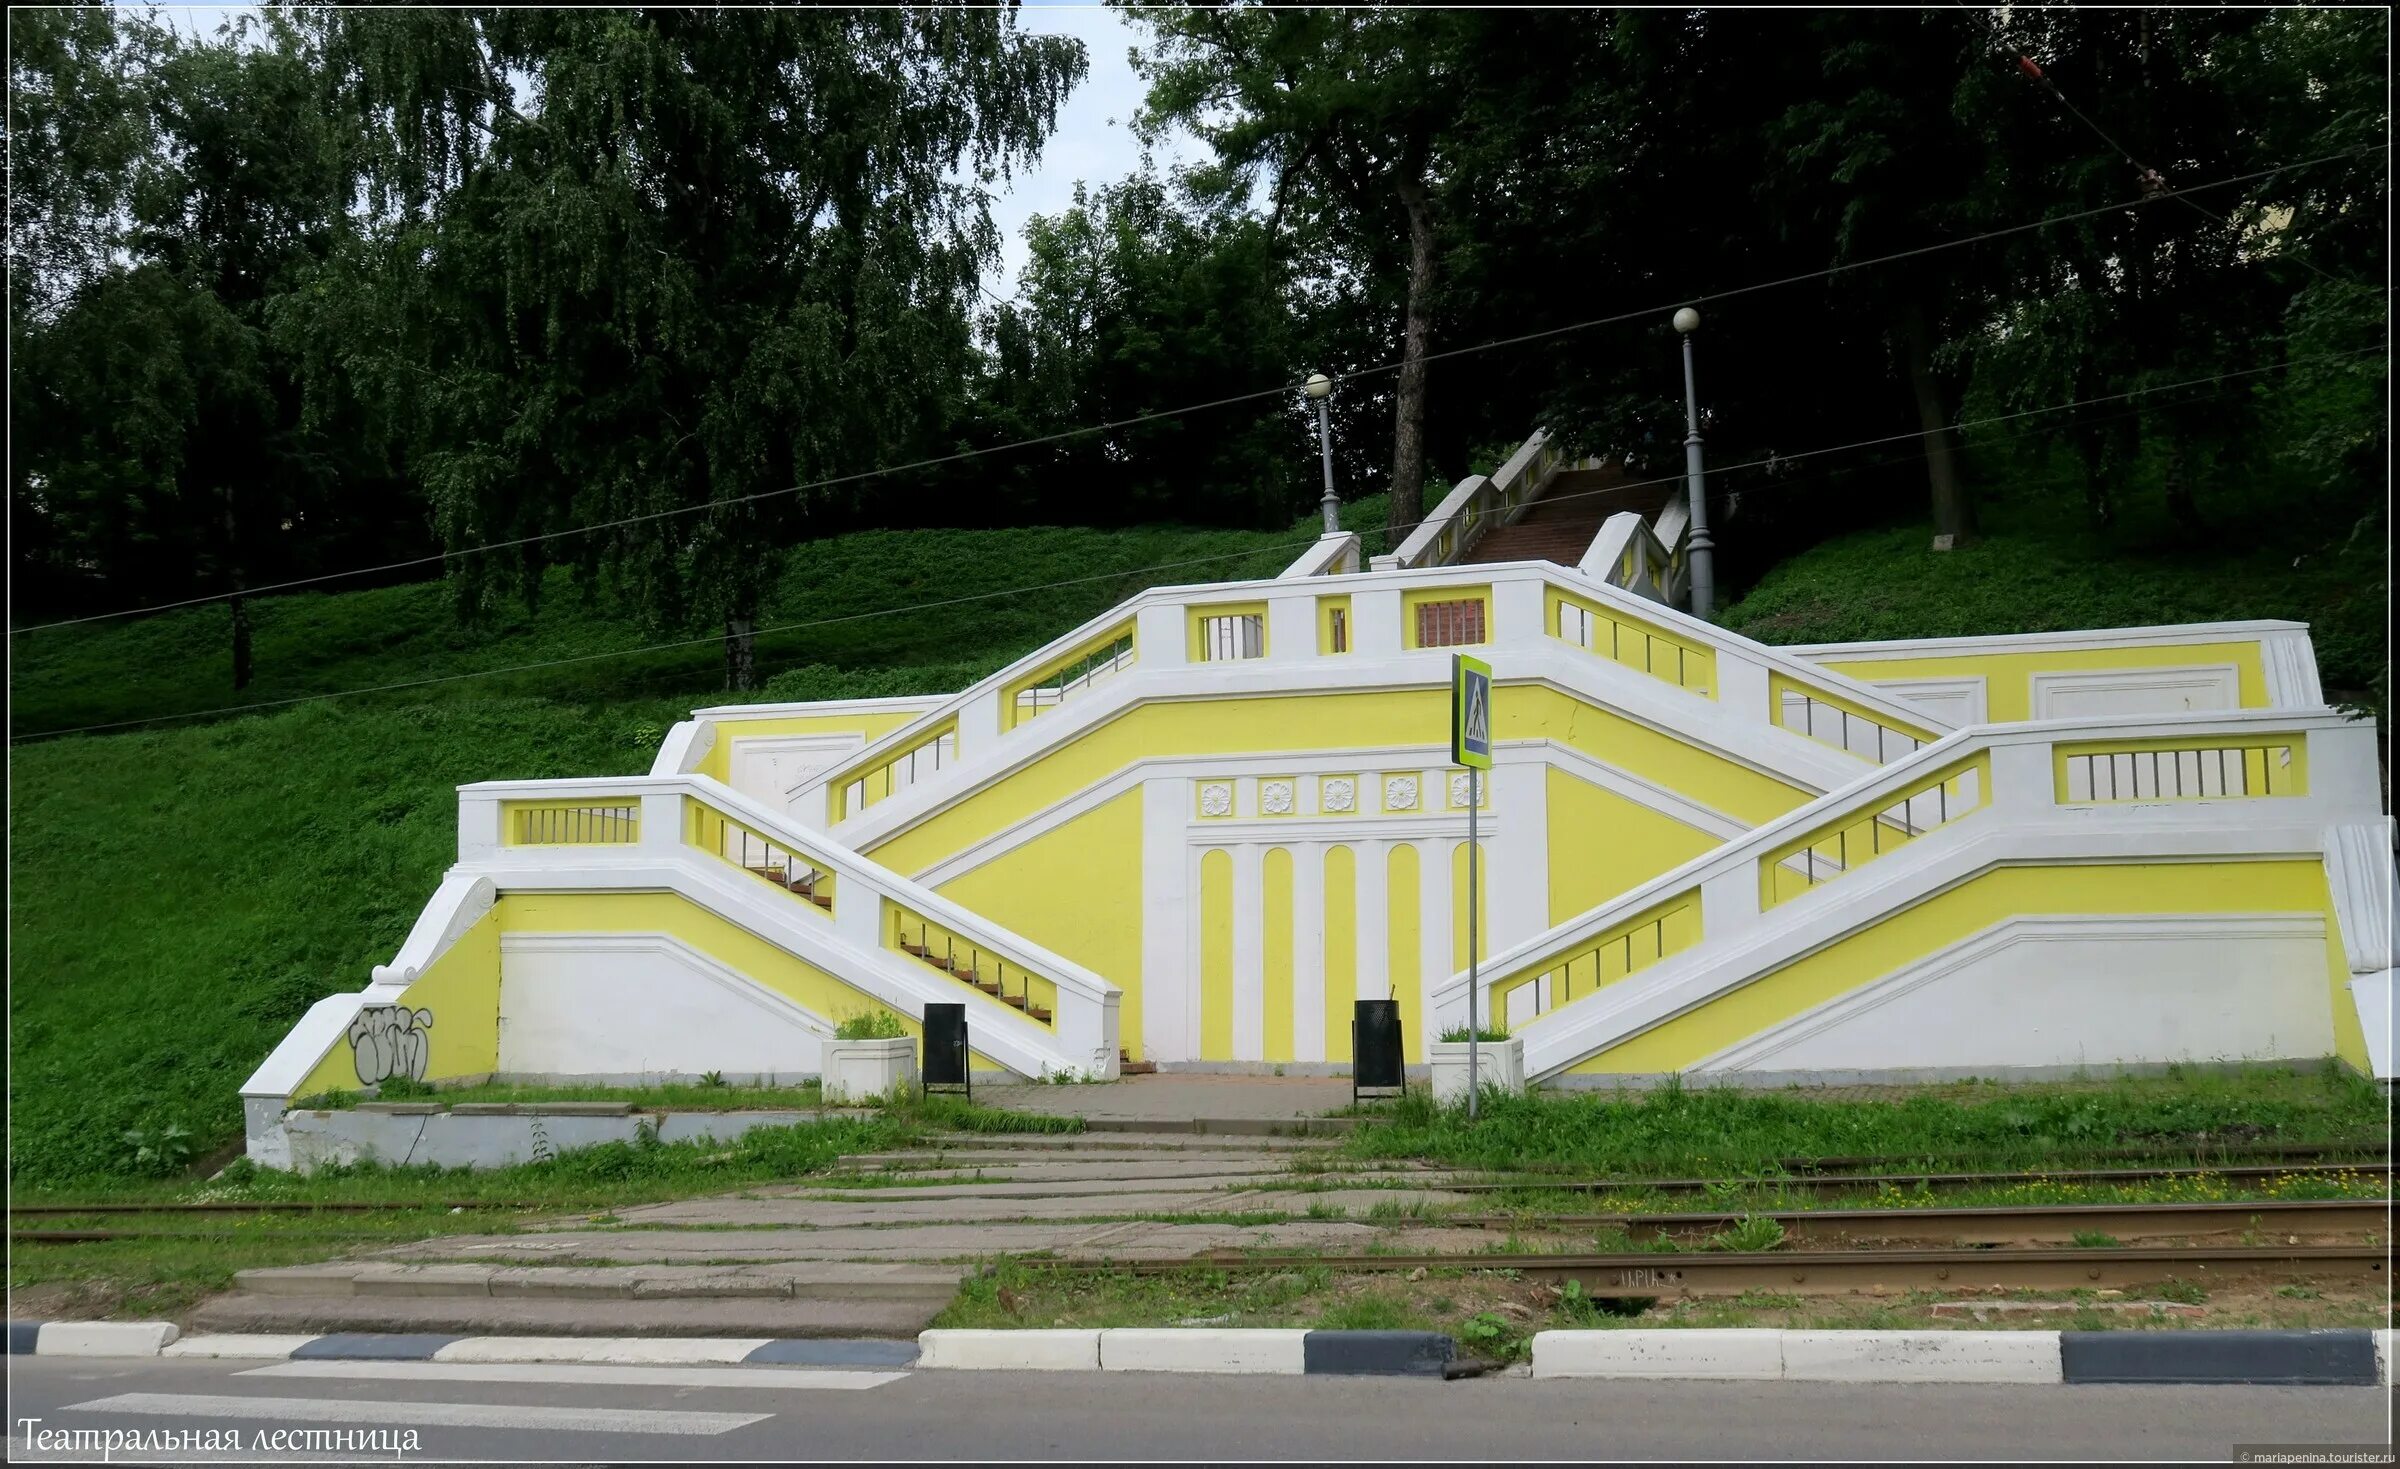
1373, 877
1249, 953
1433, 926
1308, 951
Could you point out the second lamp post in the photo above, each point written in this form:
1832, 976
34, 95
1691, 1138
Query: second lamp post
1702, 549
1320, 388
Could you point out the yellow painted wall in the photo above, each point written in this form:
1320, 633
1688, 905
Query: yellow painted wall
737, 948
1322, 722
2008, 677
462, 989
717, 764
1997, 895
1076, 891
1341, 949
1216, 956
1406, 957
1693, 771
1602, 845
1275, 894
2349, 1037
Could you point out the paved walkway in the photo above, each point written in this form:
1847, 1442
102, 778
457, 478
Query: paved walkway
1177, 1097
786, 1259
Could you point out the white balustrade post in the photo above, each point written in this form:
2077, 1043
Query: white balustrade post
857, 912
1742, 686
1161, 637
1517, 615
1375, 622
978, 724
1087, 1027
1291, 628
479, 835
1729, 902
2023, 782
663, 821
2343, 778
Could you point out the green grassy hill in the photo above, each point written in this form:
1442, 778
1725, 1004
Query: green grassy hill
181, 894
2039, 567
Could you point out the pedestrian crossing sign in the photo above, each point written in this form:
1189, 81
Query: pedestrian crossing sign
1470, 712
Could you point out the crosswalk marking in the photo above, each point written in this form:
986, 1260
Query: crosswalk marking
381, 1414
599, 1374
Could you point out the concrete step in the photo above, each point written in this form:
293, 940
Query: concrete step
1109, 1133
382, 1280
536, 1316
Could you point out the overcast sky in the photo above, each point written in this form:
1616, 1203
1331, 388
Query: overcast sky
1093, 143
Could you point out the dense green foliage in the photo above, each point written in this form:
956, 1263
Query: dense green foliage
371, 285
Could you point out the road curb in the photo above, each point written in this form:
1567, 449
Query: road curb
90, 1338
2332, 1358
2347, 1356
1234, 1350
160, 1339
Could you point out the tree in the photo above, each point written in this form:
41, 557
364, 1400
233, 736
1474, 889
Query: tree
161, 444
633, 265
1129, 305
1345, 115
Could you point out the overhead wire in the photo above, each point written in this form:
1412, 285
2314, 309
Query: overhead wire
1216, 558
2152, 182
1111, 425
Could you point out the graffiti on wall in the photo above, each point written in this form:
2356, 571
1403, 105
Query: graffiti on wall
388, 1041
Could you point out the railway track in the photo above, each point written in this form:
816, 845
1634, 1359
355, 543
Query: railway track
1826, 1182
1837, 1272
1994, 1225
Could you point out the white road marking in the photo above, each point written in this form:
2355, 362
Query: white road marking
581, 1372
379, 1414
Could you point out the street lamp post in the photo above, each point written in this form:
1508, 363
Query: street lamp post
1320, 387
1703, 549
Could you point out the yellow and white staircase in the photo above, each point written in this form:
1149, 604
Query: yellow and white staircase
1194, 830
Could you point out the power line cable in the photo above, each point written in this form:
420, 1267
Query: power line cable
2153, 183
1107, 426
1778, 484
719, 638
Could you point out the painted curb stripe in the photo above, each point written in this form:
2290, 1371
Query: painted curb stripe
2340, 1357
21, 1337
380, 1346
1357, 1353
835, 1352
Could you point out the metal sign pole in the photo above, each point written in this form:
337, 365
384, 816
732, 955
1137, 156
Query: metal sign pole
1474, 876
1471, 747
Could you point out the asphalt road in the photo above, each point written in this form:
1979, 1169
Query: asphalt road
631, 1414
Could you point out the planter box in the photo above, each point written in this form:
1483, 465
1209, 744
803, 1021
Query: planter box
861, 1071
1498, 1064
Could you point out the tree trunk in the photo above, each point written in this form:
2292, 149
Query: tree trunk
1953, 511
741, 653
1408, 436
241, 642
240, 605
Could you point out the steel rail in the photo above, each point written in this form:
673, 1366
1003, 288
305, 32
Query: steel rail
1994, 1224
2247, 1173
1829, 1272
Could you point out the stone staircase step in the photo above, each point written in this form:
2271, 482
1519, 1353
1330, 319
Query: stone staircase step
1155, 1136
383, 1280
550, 1316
